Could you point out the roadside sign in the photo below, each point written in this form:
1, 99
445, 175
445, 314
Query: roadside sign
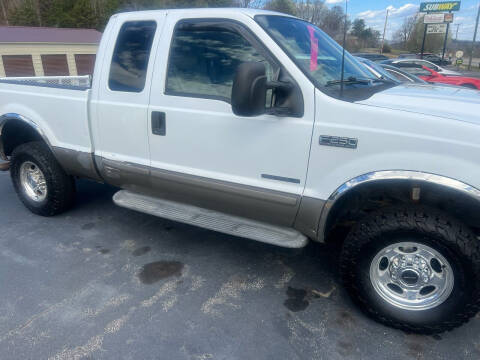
459, 54
436, 18
444, 6
437, 29
448, 17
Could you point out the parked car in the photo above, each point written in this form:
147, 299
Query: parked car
465, 81
426, 63
403, 76
408, 56
230, 120
435, 59
392, 73
406, 77
371, 56
432, 76
377, 70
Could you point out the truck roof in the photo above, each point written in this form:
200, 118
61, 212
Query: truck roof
210, 12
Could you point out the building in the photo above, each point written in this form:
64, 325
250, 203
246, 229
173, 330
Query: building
37, 51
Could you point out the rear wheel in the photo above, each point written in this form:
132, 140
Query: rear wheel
470, 86
413, 268
39, 180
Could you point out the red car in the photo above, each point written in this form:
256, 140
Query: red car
432, 76
435, 77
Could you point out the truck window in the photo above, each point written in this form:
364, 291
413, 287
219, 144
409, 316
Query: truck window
129, 65
204, 58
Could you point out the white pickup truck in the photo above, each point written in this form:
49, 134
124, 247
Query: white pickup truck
248, 122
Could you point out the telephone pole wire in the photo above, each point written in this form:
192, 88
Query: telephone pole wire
474, 38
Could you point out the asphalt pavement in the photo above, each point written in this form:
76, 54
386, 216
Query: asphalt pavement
102, 282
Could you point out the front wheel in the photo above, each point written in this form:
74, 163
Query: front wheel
413, 268
39, 180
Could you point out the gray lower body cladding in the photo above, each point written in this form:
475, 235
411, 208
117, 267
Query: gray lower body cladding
77, 163
265, 205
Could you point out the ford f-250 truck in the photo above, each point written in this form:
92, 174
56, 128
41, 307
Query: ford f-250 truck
250, 123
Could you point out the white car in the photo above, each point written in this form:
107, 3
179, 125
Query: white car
426, 63
242, 121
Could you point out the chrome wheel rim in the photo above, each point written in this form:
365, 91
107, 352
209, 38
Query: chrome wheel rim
411, 276
33, 181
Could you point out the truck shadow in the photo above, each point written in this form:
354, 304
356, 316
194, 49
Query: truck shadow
302, 286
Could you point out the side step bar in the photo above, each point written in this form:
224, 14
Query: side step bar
213, 220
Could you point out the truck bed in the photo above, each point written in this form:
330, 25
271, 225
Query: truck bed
57, 105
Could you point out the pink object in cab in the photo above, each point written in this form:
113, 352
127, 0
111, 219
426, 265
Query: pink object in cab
313, 49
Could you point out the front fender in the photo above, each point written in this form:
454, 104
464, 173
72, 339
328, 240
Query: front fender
378, 176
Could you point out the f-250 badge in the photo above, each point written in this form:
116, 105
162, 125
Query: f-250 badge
345, 142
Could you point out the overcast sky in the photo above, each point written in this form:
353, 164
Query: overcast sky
373, 11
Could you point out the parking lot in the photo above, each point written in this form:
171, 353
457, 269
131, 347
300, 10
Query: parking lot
101, 282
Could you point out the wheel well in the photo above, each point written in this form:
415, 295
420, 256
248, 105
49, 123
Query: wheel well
15, 133
367, 198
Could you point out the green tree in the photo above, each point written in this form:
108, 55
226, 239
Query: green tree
83, 15
333, 22
358, 27
24, 15
433, 42
283, 6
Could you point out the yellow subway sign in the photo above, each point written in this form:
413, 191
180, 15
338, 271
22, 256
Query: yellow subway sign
444, 6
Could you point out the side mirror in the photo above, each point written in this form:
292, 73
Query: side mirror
249, 91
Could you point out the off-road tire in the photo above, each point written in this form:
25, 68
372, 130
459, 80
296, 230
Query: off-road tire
60, 186
448, 236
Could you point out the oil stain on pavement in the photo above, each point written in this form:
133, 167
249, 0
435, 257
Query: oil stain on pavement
141, 251
156, 271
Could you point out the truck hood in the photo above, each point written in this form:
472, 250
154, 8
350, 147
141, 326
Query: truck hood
443, 101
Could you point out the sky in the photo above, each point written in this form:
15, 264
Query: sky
373, 12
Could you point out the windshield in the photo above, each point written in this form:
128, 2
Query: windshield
318, 55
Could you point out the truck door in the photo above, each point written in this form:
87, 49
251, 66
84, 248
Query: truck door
203, 154
120, 106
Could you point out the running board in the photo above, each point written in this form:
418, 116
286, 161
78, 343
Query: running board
213, 220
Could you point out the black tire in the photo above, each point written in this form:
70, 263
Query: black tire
453, 240
470, 86
60, 186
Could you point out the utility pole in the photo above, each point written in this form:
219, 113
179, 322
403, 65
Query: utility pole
445, 41
423, 41
384, 30
456, 35
474, 38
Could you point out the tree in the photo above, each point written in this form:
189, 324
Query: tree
284, 6
403, 34
250, 3
311, 10
25, 14
93, 13
333, 22
433, 42
358, 27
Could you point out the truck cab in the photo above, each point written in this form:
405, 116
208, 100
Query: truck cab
259, 125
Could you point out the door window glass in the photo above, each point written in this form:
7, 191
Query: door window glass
130, 57
203, 61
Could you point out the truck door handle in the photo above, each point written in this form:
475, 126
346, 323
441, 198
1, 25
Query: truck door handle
159, 126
